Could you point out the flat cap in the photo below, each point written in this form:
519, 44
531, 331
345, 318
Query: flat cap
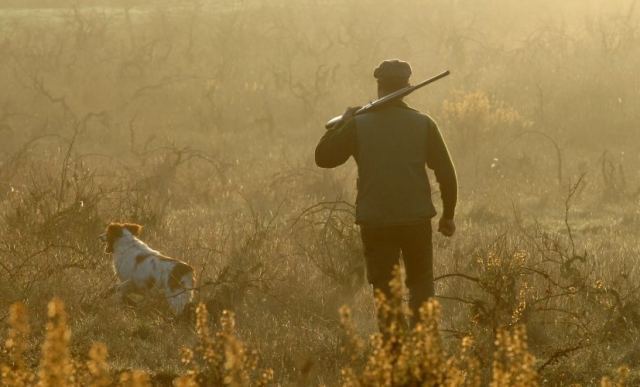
392, 68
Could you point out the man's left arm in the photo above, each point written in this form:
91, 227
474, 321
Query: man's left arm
439, 159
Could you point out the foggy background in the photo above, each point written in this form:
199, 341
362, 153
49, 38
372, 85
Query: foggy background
198, 119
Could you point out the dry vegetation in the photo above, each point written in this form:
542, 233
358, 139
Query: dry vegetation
198, 120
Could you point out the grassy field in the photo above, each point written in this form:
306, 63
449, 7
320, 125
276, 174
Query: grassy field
199, 121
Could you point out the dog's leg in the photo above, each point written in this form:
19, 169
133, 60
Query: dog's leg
181, 296
123, 289
177, 300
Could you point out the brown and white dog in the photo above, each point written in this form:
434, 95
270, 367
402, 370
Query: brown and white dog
139, 267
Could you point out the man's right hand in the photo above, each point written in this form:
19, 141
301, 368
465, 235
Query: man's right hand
447, 227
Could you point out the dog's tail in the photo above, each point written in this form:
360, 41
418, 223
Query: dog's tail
182, 295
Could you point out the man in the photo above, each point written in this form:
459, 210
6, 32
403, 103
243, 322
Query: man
391, 146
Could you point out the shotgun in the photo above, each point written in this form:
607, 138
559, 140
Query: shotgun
387, 98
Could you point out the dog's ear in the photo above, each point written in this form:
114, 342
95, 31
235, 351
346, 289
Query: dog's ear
114, 230
134, 229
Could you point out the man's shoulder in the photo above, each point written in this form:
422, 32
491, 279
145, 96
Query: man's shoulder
418, 112
399, 111
394, 109
422, 116
431, 123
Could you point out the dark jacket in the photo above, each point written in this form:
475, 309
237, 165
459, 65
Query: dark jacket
392, 146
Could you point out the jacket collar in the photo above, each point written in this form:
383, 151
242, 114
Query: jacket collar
397, 103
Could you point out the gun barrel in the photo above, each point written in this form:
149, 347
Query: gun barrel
388, 98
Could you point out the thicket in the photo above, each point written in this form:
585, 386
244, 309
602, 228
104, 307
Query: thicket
199, 120
398, 355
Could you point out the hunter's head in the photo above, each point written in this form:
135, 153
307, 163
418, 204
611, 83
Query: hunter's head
392, 75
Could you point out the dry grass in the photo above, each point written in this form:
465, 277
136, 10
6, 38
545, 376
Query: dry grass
199, 121
397, 356
217, 359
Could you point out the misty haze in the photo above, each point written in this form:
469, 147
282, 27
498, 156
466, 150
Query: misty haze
173, 210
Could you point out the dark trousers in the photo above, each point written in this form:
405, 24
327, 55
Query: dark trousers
382, 248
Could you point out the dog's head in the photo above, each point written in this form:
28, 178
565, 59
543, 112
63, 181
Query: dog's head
116, 231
